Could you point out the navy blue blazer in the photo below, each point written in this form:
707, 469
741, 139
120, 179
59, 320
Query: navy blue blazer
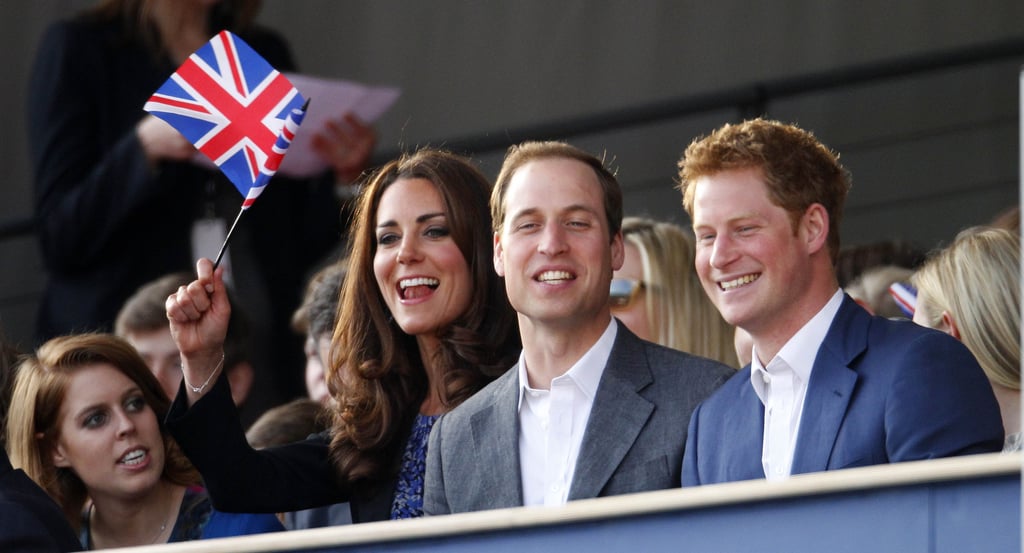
881, 391
29, 519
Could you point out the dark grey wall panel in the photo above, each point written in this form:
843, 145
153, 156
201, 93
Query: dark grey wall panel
930, 153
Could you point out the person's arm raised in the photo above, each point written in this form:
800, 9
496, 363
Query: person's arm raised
198, 315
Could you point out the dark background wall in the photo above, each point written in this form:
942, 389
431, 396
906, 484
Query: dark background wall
930, 153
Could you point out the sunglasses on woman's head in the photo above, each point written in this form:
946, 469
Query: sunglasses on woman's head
624, 291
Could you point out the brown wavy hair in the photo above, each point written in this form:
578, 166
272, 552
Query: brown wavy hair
798, 170
375, 371
33, 425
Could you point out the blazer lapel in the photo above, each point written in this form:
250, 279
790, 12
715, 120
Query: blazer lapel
743, 438
618, 415
830, 388
496, 444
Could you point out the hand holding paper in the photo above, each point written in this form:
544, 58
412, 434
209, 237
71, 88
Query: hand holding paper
345, 145
335, 99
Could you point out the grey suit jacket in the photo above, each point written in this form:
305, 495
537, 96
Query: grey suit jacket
633, 441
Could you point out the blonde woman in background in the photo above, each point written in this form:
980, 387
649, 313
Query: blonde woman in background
657, 295
971, 290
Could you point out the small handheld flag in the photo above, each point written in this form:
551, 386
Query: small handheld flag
236, 109
273, 162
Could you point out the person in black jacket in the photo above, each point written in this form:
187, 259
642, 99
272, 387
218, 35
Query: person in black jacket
29, 520
117, 202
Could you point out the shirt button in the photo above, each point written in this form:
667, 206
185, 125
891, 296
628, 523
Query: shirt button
767, 378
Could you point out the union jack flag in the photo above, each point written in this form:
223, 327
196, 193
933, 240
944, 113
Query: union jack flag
233, 106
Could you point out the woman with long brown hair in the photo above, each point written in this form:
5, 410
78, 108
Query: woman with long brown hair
423, 324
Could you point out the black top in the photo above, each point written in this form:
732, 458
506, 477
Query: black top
29, 520
285, 478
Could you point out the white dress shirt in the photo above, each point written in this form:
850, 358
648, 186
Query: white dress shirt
552, 422
782, 386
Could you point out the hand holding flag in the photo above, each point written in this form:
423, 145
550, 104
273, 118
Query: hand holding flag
236, 109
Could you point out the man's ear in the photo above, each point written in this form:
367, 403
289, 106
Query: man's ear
814, 227
949, 325
499, 255
618, 251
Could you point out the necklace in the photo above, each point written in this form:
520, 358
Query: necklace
163, 526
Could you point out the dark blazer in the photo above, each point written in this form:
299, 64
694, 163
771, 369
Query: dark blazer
29, 520
881, 391
286, 478
633, 441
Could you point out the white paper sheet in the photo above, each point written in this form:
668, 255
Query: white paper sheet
331, 99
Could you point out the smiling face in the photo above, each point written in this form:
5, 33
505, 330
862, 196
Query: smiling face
108, 435
757, 270
554, 248
420, 271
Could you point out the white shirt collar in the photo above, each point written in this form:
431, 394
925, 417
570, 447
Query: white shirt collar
586, 372
800, 351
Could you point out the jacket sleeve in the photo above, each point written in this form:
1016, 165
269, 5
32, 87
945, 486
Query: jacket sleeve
940, 403
691, 472
241, 479
435, 501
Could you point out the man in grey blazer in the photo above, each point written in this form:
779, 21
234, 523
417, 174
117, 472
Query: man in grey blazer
590, 410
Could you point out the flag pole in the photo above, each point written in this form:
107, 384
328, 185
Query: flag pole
227, 238
280, 147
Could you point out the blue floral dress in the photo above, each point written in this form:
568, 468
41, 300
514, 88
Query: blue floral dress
408, 502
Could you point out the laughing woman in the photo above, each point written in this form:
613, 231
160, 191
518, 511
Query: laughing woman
85, 425
423, 323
